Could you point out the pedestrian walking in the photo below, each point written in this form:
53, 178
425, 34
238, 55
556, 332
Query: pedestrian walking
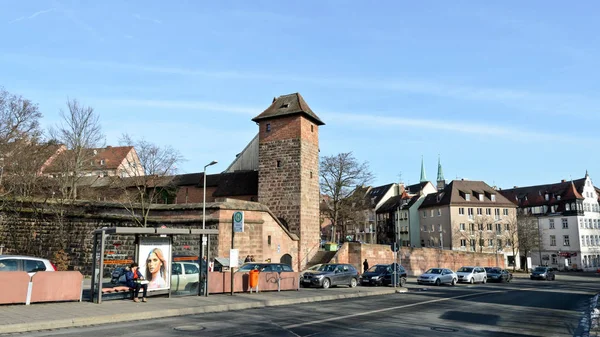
365, 266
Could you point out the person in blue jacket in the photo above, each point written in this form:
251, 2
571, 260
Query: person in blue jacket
133, 279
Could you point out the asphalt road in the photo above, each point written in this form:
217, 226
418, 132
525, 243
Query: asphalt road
520, 308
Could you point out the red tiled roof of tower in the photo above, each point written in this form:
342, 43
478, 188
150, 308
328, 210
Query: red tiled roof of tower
290, 104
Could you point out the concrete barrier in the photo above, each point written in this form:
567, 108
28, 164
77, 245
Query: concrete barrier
56, 286
220, 282
15, 285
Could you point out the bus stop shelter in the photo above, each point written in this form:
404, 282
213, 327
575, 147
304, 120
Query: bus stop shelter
100, 243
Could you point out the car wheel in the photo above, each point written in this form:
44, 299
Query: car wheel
438, 282
553, 277
326, 283
402, 281
353, 283
484, 280
453, 282
472, 280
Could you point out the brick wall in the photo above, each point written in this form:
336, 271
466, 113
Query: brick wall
44, 235
415, 260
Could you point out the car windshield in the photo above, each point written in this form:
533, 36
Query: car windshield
378, 269
540, 269
315, 267
492, 270
465, 269
434, 271
327, 267
249, 266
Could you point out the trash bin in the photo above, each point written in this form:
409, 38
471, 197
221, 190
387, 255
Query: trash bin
253, 278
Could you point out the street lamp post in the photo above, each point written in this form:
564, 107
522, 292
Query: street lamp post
204, 243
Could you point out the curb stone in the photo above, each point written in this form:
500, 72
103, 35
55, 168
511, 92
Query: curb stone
144, 315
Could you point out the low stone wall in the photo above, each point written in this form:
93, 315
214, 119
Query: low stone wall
415, 260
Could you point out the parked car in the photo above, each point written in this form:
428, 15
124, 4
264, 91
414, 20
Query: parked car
438, 276
471, 275
29, 264
185, 276
315, 267
330, 274
383, 274
496, 274
543, 273
265, 267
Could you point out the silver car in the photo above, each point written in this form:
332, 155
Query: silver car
471, 275
438, 276
29, 264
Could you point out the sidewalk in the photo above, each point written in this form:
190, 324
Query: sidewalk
22, 318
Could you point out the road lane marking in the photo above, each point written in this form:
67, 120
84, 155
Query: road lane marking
337, 318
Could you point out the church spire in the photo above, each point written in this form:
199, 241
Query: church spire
441, 182
440, 175
423, 176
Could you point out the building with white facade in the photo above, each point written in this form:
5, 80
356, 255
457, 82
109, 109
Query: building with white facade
568, 215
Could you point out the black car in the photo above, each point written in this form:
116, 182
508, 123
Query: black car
495, 274
330, 274
543, 273
383, 274
265, 267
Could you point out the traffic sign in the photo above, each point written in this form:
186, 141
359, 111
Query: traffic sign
238, 222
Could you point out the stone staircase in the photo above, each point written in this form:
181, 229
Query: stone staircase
321, 257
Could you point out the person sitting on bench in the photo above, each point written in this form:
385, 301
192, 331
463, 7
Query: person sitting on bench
135, 281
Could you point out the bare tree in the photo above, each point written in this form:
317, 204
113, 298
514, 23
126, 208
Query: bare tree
19, 136
80, 132
512, 234
340, 175
529, 235
147, 177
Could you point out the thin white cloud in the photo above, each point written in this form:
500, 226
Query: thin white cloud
142, 18
522, 101
461, 127
187, 105
32, 16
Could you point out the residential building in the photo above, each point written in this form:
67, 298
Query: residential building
568, 217
120, 161
399, 215
470, 216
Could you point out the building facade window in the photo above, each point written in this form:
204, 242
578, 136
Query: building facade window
467, 197
463, 242
439, 212
461, 226
479, 211
461, 211
552, 240
470, 211
565, 223
268, 127
493, 197
488, 211
566, 240
551, 223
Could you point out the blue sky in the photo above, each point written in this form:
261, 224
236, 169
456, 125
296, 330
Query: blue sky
503, 92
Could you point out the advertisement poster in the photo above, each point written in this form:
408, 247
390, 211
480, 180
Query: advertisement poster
155, 262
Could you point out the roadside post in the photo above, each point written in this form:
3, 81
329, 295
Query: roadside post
237, 226
394, 247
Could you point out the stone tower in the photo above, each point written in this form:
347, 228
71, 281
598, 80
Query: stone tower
288, 169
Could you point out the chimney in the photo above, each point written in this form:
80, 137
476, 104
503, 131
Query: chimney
515, 186
563, 181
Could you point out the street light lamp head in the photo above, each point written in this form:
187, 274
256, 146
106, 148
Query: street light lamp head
211, 163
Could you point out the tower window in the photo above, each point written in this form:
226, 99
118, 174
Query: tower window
312, 128
279, 163
268, 127
311, 174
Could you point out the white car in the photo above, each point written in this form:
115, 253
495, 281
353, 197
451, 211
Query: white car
29, 264
438, 276
185, 276
471, 275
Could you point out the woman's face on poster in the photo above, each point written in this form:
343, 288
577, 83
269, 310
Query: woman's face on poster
154, 263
